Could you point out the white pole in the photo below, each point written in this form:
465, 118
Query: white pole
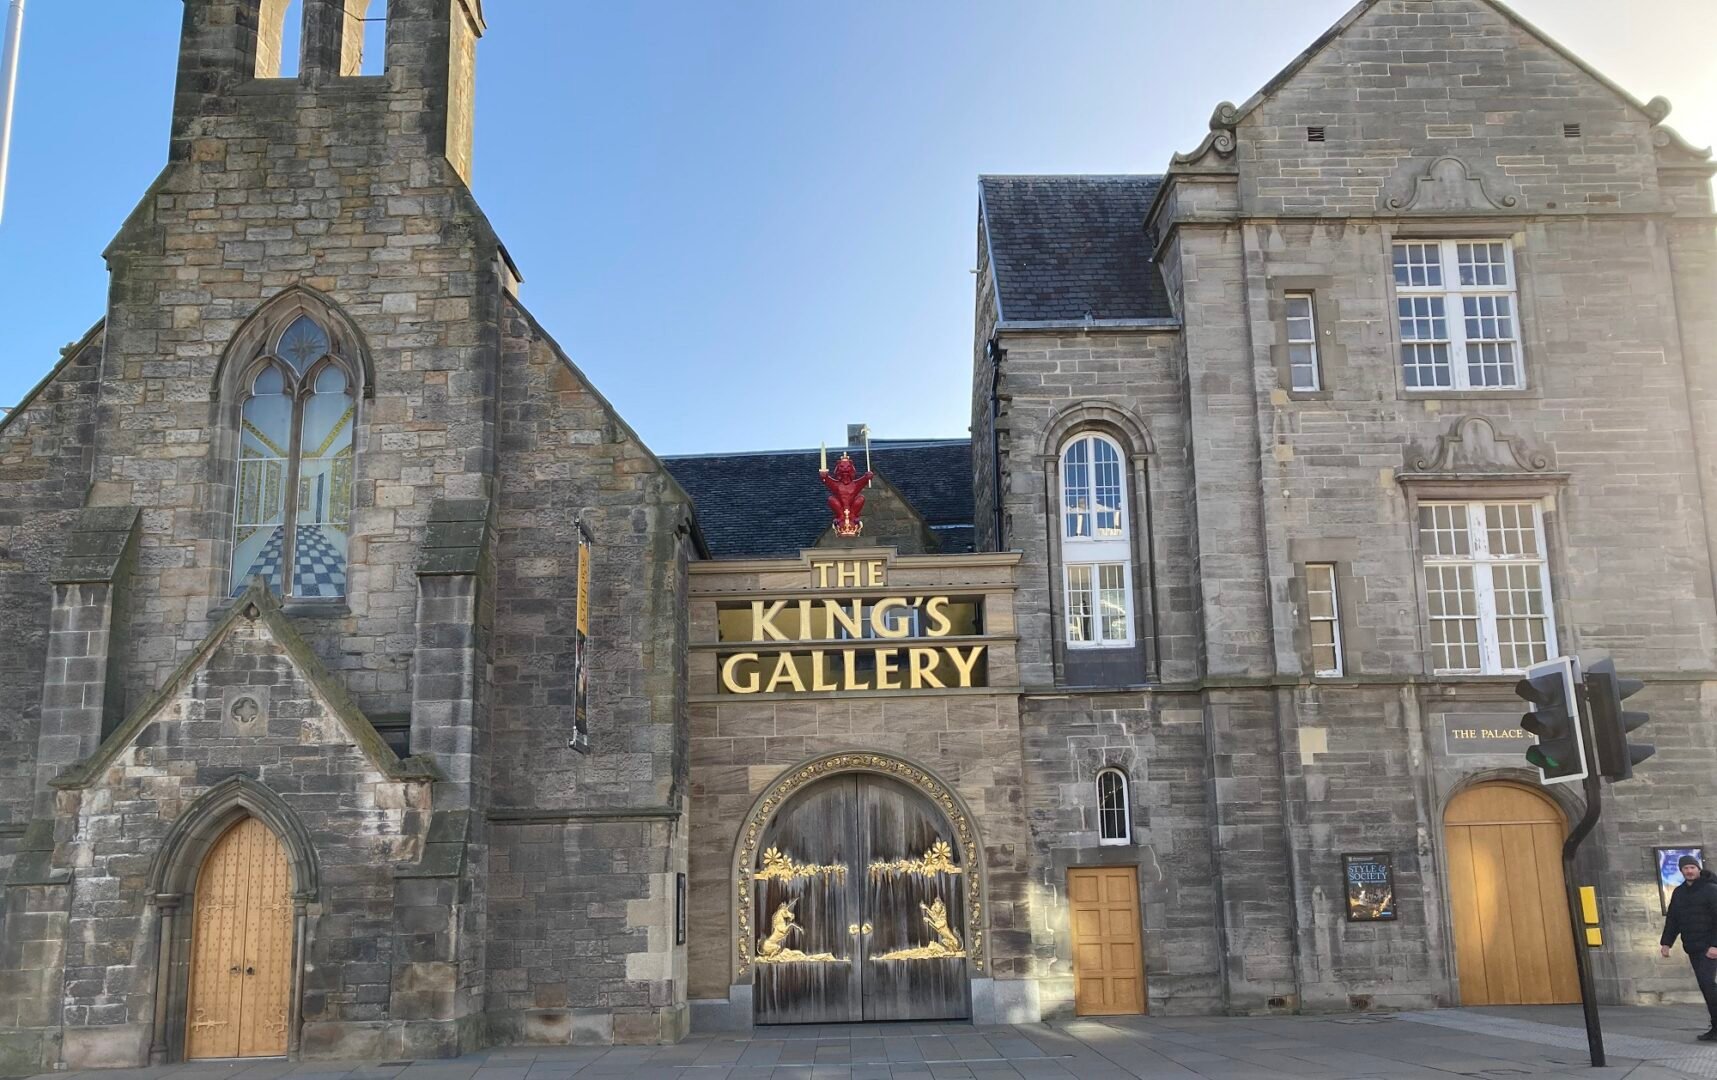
9, 88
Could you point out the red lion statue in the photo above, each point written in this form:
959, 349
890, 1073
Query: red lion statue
846, 498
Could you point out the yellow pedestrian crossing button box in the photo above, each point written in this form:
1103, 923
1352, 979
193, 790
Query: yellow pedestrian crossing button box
1589, 916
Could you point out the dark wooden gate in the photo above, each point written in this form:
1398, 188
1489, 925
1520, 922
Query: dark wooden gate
860, 908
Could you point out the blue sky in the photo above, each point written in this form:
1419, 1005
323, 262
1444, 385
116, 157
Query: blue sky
749, 223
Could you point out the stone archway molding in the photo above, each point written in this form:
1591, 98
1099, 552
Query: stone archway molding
800, 776
187, 843
173, 877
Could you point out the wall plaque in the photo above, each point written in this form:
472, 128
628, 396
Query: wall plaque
1485, 733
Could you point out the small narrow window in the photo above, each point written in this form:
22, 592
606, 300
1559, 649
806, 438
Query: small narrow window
1114, 808
1570, 131
1315, 133
1302, 342
1323, 616
279, 39
374, 29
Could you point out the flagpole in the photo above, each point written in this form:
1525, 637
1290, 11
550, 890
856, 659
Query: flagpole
9, 88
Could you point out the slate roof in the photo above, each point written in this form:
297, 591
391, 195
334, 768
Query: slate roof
1072, 247
769, 504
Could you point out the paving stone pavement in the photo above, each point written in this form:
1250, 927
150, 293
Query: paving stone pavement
1489, 1044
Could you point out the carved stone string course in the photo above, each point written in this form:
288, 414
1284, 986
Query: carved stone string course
857, 762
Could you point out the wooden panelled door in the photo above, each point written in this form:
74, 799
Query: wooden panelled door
1108, 958
859, 908
241, 947
1512, 938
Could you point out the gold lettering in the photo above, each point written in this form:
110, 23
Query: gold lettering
749, 686
879, 618
785, 672
854, 623
887, 666
939, 622
875, 573
849, 669
965, 667
923, 661
822, 569
847, 574
763, 621
818, 671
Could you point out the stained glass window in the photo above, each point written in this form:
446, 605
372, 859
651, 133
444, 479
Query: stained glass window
303, 344
296, 436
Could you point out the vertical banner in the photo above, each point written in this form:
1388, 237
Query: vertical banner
581, 649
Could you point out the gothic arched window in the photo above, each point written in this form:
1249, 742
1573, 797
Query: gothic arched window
1097, 564
293, 497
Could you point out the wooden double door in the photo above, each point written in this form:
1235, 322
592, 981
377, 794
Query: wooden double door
1513, 943
241, 948
859, 903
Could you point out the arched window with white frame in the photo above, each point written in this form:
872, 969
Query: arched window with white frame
292, 501
1096, 543
1114, 808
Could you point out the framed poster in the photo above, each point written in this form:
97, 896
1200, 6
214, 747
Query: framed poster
581, 648
1370, 887
1668, 862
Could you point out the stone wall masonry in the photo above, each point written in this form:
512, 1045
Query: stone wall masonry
1159, 741
1414, 80
586, 846
44, 472
336, 185
1047, 376
111, 831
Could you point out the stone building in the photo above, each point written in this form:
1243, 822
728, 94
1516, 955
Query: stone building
368, 688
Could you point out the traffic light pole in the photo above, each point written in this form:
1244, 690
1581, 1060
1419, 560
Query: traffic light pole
1576, 919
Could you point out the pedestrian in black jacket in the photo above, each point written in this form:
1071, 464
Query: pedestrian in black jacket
1693, 915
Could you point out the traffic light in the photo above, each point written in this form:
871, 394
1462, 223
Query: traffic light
1605, 691
1560, 755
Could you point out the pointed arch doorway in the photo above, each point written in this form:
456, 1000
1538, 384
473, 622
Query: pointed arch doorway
1506, 897
241, 947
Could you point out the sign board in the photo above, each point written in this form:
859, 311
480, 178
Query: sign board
1485, 733
849, 632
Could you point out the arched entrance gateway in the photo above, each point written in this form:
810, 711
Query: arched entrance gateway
1506, 895
241, 948
861, 889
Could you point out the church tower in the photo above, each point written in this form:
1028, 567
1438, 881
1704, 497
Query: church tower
339, 582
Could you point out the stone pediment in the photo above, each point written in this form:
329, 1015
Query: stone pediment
255, 613
1447, 183
1475, 447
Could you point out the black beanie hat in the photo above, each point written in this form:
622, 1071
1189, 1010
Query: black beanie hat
1686, 860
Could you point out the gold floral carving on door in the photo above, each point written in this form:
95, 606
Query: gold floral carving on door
883, 941
241, 947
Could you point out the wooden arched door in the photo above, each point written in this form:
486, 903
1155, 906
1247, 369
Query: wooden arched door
1513, 943
241, 947
859, 903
